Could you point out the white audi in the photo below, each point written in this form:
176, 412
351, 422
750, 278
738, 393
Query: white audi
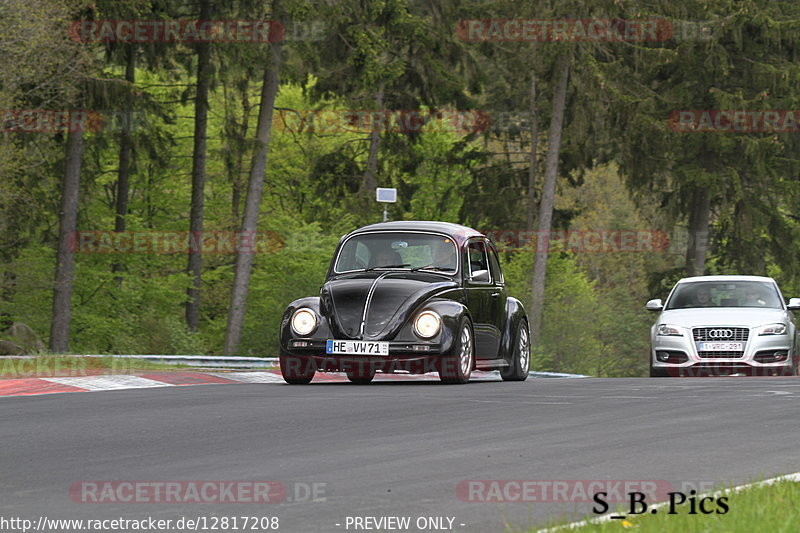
723, 325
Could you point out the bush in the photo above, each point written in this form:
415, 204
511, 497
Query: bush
570, 333
298, 270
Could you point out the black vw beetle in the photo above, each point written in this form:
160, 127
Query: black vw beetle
408, 296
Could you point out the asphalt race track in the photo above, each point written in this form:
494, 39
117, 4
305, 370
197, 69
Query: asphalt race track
393, 449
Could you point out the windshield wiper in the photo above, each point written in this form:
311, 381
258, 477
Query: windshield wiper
386, 266
430, 267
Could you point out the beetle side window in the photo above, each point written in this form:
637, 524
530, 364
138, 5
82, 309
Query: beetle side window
494, 265
478, 262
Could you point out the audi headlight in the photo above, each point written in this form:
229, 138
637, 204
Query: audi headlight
669, 330
427, 324
772, 329
304, 321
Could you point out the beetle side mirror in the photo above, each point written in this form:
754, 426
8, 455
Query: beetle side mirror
480, 276
794, 304
655, 305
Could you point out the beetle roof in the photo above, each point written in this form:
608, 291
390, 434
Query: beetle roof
459, 233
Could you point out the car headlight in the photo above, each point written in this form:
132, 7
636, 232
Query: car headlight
427, 324
772, 329
669, 330
304, 321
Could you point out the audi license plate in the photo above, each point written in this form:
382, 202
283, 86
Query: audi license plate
720, 346
357, 347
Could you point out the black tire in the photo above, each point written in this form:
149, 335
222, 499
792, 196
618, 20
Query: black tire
363, 374
657, 372
457, 368
793, 369
520, 363
296, 370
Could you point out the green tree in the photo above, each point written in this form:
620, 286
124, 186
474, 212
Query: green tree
733, 183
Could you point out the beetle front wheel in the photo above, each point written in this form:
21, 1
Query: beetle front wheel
458, 368
297, 370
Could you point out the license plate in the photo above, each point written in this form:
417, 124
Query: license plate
720, 346
356, 347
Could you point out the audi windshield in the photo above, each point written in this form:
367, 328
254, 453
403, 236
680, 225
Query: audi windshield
724, 294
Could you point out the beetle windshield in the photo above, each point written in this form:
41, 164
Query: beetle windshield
417, 251
724, 294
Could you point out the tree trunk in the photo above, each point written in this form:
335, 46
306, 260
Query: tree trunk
370, 182
247, 239
239, 145
9, 286
125, 149
548, 199
62, 290
198, 176
533, 155
699, 220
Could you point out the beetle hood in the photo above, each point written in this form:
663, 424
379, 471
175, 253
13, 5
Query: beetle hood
388, 296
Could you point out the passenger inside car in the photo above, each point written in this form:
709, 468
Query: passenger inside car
753, 298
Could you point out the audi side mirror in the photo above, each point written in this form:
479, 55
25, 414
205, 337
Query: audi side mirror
794, 304
656, 305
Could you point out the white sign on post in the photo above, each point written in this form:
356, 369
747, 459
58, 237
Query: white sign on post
386, 195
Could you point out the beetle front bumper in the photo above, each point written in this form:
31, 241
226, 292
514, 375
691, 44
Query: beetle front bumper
413, 357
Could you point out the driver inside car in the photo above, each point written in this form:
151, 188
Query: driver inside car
443, 255
702, 298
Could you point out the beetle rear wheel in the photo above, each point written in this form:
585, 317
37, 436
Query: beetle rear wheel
458, 368
517, 369
296, 370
